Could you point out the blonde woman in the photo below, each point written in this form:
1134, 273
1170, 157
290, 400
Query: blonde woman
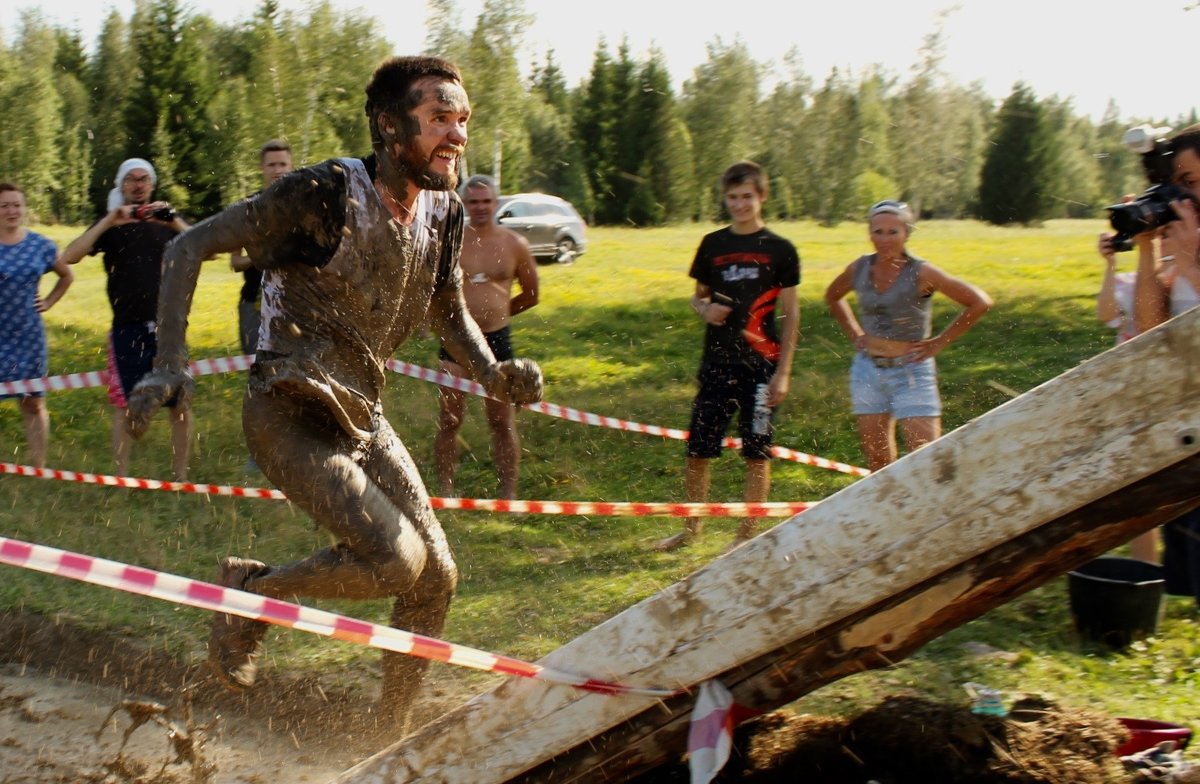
893, 377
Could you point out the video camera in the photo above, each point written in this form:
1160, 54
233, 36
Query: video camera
1152, 209
147, 211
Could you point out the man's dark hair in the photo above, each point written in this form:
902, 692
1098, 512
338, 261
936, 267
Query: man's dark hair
1186, 139
390, 89
9, 186
745, 172
274, 145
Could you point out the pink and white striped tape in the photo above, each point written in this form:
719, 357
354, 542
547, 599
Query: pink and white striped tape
583, 417
208, 596
204, 367
99, 378
598, 508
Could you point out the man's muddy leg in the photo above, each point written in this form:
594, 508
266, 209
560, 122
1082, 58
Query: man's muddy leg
301, 448
372, 499
423, 609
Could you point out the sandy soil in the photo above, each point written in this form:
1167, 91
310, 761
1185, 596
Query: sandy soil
80, 707
54, 730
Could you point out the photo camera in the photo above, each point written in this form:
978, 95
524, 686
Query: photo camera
1151, 209
147, 211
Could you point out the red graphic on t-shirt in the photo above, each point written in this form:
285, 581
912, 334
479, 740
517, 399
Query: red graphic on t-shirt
755, 331
763, 259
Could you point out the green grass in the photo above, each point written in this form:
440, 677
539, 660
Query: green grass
614, 335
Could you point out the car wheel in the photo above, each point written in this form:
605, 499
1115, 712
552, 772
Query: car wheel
565, 251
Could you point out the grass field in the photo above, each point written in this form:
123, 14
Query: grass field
614, 335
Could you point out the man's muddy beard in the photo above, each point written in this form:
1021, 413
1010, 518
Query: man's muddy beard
420, 175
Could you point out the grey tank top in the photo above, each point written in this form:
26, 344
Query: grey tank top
901, 312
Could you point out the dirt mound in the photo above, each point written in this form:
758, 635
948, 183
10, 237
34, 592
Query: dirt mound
910, 740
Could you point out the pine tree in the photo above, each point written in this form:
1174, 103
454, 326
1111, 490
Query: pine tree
69, 198
664, 189
558, 168
550, 85
830, 164
1120, 168
594, 124
1014, 184
444, 37
718, 102
784, 144
168, 120
111, 79
30, 115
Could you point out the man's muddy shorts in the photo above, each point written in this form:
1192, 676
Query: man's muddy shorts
723, 390
131, 351
500, 342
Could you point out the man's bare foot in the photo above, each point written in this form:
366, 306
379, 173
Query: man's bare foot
681, 539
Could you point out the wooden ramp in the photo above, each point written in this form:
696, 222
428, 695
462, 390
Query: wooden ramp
1003, 504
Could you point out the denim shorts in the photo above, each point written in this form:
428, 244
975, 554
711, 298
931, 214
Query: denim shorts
905, 391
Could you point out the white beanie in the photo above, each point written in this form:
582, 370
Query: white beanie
115, 197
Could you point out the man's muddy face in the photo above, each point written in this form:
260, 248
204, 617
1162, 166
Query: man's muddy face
428, 154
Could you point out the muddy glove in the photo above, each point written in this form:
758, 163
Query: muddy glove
516, 381
153, 392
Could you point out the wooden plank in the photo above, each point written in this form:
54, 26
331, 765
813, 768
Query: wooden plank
874, 571
891, 630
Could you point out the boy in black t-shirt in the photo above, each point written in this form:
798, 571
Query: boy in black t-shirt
744, 274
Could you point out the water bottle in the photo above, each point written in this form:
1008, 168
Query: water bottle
988, 701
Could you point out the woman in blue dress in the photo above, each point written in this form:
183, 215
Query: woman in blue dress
24, 258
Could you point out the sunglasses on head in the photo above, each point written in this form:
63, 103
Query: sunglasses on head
887, 207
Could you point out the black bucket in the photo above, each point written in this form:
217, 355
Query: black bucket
1116, 600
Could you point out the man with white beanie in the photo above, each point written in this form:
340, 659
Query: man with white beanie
132, 236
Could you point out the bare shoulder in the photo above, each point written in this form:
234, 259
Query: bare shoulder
928, 273
513, 242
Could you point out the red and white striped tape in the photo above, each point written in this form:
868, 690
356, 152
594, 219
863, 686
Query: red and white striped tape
99, 378
134, 483
598, 508
208, 596
586, 418
204, 367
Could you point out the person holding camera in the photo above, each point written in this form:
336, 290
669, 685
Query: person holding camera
893, 377
1164, 227
132, 237
1159, 297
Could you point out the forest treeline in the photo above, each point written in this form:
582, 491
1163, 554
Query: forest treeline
197, 98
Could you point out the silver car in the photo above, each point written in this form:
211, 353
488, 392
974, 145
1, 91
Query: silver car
552, 227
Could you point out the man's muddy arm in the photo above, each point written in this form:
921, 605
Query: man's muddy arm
225, 232
182, 258
516, 381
